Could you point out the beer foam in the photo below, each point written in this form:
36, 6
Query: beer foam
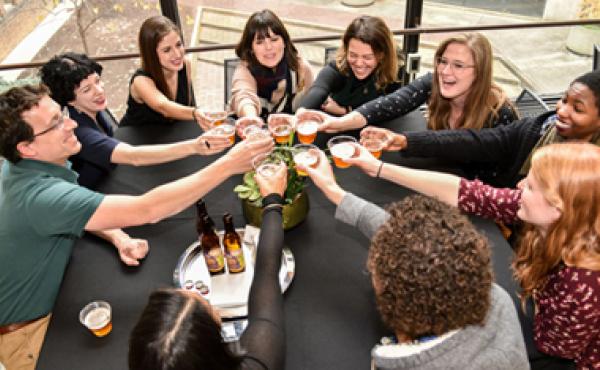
308, 127
305, 158
267, 169
343, 150
97, 318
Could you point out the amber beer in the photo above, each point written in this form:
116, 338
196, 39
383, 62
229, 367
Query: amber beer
307, 131
374, 146
96, 316
305, 155
216, 118
233, 247
282, 133
342, 147
226, 130
211, 247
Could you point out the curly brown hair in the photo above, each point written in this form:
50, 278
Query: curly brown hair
13, 129
431, 269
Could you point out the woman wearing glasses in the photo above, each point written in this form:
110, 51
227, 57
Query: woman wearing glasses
459, 93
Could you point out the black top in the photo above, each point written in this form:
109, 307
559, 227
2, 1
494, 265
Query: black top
505, 146
412, 96
346, 91
264, 338
93, 163
141, 114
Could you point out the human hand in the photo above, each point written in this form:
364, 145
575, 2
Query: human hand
322, 176
273, 184
244, 122
392, 141
209, 143
131, 250
332, 107
202, 120
327, 123
239, 158
364, 160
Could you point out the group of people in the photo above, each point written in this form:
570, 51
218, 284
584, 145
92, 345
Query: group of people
540, 176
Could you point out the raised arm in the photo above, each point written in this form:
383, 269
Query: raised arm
244, 99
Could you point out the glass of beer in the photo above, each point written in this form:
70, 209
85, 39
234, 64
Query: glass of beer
342, 147
373, 145
281, 126
216, 117
226, 130
242, 123
266, 165
307, 131
255, 133
306, 155
96, 316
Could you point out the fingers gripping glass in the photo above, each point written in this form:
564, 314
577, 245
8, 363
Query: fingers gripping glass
58, 125
455, 66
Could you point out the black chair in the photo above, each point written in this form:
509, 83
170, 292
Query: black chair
530, 104
330, 52
596, 65
229, 66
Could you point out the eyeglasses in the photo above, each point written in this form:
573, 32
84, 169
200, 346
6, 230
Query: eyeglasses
457, 67
58, 125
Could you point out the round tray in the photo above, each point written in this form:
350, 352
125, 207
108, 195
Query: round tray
228, 292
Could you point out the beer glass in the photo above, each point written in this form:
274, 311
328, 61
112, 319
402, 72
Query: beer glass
216, 117
306, 155
226, 129
255, 133
342, 147
266, 165
281, 126
96, 316
242, 123
373, 145
307, 131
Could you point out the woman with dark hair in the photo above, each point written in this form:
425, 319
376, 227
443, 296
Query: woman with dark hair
75, 82
557, 258
432, 277
160, 92
272, 77
365, 68
179, 330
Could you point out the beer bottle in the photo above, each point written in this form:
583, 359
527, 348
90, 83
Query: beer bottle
233, 247
211, 247
200, 213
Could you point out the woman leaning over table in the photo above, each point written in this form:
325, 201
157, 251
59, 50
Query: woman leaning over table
557, 258
180, 330
459, 93
272, 77
160, 92
365, 68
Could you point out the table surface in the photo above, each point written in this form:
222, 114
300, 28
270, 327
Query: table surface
330, 313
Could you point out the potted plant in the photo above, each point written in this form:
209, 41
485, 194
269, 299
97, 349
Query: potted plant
296, 200
581, 39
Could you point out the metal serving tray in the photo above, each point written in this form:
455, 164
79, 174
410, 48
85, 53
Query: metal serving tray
227, 292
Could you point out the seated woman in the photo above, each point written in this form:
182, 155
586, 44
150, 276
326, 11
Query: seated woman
74, 82
459, 94
557, 258
272, 77
161, 91
365, 68
180, 330
432, 276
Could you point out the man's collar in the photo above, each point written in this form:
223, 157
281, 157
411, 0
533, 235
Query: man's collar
63, 172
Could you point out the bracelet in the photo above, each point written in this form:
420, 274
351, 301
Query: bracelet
194, 113
273, 206
379, 170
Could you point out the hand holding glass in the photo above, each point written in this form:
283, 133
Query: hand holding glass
305, 155
281, 126
266, 165
342, 147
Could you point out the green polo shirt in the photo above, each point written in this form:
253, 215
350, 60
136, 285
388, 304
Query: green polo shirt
42, 212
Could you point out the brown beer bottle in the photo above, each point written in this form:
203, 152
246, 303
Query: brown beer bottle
211, 247
200, 213
233, 247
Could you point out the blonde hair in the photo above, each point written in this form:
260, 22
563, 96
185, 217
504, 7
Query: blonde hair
484, 98
569, 178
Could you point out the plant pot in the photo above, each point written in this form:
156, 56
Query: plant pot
293, 214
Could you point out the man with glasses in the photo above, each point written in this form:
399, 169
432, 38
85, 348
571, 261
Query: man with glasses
43, 210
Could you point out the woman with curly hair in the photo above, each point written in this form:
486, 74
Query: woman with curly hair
432, 277
365, 68
557, 258
272, 77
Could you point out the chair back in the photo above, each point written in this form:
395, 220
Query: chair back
530, 104
229, 66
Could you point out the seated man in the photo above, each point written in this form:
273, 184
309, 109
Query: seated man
432, 277
43, 210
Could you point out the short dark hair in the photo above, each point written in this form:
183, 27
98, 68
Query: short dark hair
592, 81
259, 24
63, 75
13, 128
431, 269
177, 332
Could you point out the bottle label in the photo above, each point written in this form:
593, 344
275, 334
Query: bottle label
235, 260
214, 260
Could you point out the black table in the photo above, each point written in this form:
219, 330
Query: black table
331, 319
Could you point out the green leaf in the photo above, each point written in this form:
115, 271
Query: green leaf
241, 188
254, 195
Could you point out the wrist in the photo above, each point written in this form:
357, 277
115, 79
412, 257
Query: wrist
334, 193
194, 117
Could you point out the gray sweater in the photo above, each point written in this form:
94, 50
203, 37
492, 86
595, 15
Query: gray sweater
498, 344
